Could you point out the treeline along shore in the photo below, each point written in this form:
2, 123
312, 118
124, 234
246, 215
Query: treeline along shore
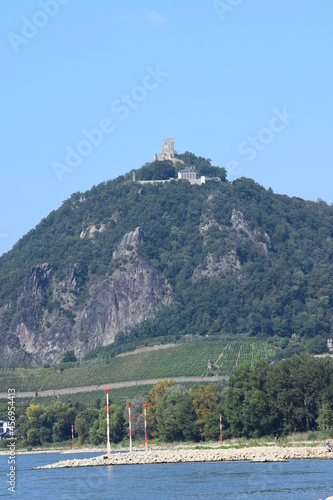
294, 395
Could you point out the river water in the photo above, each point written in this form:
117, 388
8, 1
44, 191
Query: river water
294, 480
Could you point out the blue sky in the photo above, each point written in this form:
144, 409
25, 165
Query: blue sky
91, 88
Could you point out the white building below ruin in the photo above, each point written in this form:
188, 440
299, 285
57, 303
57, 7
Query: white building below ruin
191, 176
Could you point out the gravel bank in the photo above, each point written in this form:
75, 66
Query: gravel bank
258, 454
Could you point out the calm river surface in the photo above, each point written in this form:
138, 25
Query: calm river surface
294, 480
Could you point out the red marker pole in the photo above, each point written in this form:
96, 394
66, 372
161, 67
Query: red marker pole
130, 426
145, 412
108, 452
221, 427
72, 437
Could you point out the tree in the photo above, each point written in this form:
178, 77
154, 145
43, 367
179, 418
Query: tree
60, 416
205, 402
176, 417
294, 389
33, 437
35, 415
238, 385
84, 421
157, 170
69, 356
97, 434
45, 435
117, 423
325, 417
137, 417
153, 397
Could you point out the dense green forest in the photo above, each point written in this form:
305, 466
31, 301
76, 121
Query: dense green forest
294, 395
269, 276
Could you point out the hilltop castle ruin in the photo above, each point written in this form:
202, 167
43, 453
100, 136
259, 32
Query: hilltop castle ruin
187, 173
168, 152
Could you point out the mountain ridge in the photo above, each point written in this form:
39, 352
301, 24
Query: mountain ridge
208, 260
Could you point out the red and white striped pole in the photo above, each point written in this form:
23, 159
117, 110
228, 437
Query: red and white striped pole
221, 427
145, 412
130, 426
108, 452
72, 437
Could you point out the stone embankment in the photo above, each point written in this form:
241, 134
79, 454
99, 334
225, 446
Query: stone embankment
258, 454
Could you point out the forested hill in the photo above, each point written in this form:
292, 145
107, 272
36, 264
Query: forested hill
127, 260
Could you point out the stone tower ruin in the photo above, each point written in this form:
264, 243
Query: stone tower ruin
168, 152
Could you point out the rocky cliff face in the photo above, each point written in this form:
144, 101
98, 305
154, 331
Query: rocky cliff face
134, 292
226, 258
53, 317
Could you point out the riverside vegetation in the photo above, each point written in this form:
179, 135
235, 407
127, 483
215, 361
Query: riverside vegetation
294, 395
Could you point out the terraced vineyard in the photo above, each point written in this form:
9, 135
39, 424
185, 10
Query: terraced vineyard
185, 359
241, 352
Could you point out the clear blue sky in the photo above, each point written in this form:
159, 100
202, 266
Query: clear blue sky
217, 76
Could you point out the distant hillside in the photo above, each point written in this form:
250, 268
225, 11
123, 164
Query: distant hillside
126, 261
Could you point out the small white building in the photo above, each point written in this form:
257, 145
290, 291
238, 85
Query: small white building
191, 176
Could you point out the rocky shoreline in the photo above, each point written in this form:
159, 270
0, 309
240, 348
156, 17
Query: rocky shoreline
257, 454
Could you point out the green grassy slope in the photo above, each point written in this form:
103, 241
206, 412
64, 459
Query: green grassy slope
186, 359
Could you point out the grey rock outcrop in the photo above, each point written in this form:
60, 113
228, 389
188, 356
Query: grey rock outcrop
256, 235
132, 294
48, 322
237, 233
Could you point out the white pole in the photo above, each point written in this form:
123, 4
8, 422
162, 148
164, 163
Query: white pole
145, 411
107, 424
130, 426
72, 437
221, 427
